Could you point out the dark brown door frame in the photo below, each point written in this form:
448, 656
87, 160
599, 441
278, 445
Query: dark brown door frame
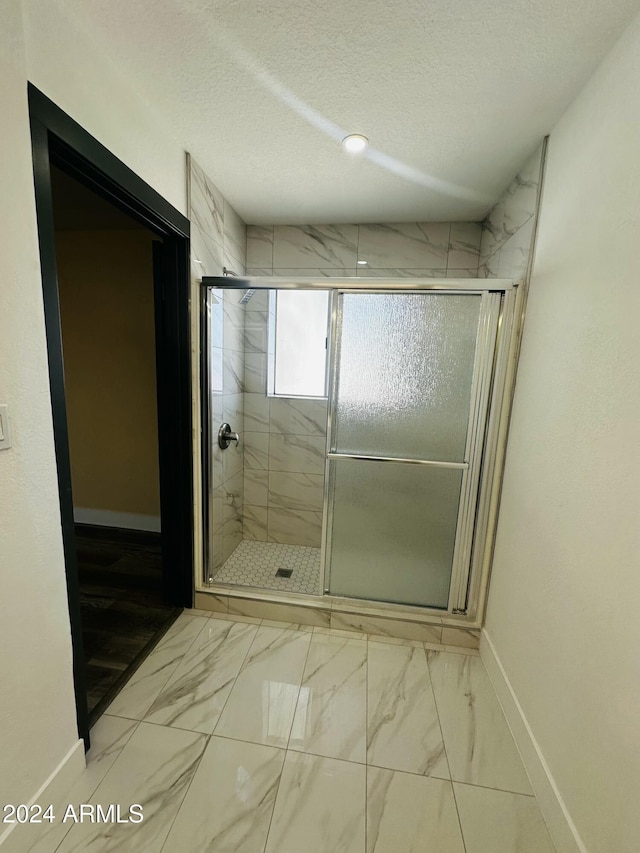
57, 139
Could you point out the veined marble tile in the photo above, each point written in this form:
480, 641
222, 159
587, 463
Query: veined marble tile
331, 713
410, 814
256, 487
194, 696
317, 246
154, 769
464, 245
334, 632
216, 369
262, 702
500, 822
108, 738
514, 208
256, 450
473, 273
136, 697
513, 257
233, 371
207, 256
231, 532
397, 641
213, 603
232, 457
232, 497
468, 637
256, 412
206, 204
294, 614
294, 527
296, 491
249, 620
260, 246
229, 805
274, 623
233, 327
387, 627
398, 272
320, 806
233, 410
403, 732
235, 234
315, 272
255, 373
255, 523
253, 319
479, 745
303, 454
488, 267
255, 337
415, 245
298, 417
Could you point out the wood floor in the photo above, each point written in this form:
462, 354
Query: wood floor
122, 609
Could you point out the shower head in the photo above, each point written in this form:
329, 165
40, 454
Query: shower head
247, 296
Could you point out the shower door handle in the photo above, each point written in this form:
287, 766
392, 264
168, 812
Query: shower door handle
226, 436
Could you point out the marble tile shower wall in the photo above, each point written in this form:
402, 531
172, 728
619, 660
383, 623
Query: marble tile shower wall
509, 229
284, 447
413, 249
285, 439
218, 239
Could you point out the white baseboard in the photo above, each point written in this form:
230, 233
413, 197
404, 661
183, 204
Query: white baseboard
561, 827
107, 518
52, 789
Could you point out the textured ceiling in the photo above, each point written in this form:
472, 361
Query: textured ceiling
453, 95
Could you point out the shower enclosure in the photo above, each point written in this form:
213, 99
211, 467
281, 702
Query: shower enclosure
349, 454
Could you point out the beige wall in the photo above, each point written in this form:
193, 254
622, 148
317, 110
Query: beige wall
105, 281
37, 709
565, 591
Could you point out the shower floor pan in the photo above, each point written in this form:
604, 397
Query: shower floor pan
266, 565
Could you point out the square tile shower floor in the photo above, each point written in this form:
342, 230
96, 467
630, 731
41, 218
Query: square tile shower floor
257, 564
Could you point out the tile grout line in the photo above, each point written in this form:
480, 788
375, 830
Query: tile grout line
240, 669
171, 673
187, 789
446, 754
92, 794
286, 749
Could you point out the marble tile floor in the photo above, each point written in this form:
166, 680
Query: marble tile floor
255, 564
239, 735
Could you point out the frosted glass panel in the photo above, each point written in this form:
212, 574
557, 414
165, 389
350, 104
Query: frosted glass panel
404, 374
393, 531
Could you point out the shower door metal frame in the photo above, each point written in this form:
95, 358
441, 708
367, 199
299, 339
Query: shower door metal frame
486, 335
469, 595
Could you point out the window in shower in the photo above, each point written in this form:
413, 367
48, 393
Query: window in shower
298, 330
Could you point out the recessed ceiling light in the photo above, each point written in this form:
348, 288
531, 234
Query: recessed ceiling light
362, 262
355, 143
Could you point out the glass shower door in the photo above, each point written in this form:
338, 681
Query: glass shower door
410, 390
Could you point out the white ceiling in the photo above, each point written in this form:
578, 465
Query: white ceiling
454, 95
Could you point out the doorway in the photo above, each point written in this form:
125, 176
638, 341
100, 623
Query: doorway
114, 257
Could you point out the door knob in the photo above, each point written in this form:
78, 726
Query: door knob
226, 436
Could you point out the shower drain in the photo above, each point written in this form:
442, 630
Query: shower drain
284, 573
